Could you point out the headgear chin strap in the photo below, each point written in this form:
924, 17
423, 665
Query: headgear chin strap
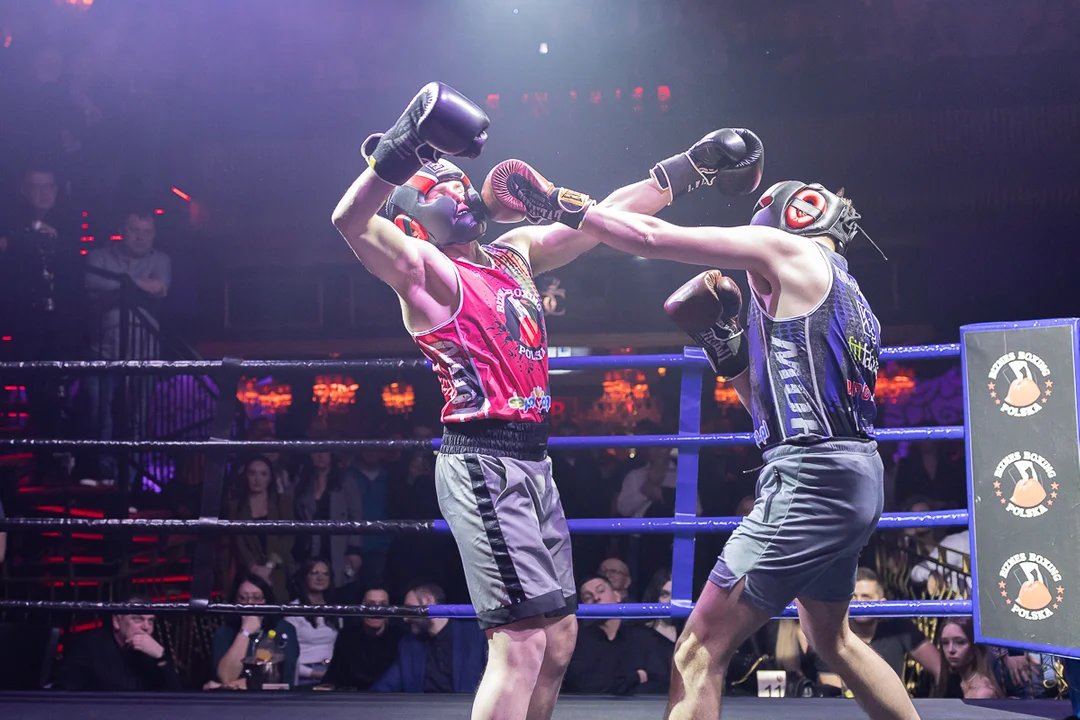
437, 221
810, 211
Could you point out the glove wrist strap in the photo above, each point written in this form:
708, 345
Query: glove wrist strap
394, 162
726, 349
679, 174
569, 207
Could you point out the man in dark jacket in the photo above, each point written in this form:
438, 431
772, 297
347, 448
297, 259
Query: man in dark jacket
123, 657
440, 655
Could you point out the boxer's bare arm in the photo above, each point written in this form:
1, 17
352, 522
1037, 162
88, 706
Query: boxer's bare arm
423, 278
792, 269
552, 246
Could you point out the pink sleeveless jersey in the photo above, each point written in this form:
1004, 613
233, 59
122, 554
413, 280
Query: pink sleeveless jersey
491, 356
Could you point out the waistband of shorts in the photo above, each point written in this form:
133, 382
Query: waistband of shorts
500, 438
855, 446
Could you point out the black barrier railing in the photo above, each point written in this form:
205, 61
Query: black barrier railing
126, 324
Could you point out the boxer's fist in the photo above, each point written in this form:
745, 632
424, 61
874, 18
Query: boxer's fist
707, 309
514, 191
439, 121
732, 159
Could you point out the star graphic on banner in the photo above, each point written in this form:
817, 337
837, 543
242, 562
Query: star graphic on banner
997, 484
1060, 598
1053, 494
998, 493
1049, 384
1008, 602
997, 402
1004, 594
1055, 606
1049, 502
993, 394
1044, 401
1060, 590
991, 386
1053, 486
1049, 393
1001, 584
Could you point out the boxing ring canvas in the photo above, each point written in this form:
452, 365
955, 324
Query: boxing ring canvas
1023, 449
354, 706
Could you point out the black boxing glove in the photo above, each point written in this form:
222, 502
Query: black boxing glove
734, 159
707, 309
439, 121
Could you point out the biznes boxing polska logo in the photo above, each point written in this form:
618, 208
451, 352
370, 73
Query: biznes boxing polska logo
1021, 482
1026, 581
1015, 383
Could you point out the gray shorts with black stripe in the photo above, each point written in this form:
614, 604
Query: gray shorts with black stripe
508, 522
815, 511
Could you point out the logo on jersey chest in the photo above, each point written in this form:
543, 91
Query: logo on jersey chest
520, 316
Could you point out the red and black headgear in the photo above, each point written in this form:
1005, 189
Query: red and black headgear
438, 221
808, 210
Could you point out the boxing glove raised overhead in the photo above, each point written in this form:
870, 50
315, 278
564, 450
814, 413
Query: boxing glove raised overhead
439, 121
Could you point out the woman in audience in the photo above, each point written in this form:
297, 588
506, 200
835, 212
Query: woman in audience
792, 650
235, 640
285, 482
659, 591
970, 673
267, 556
316, 635
324, 494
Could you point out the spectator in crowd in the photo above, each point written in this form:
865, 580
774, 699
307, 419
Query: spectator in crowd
894, 639
439, 655
262, 429
584, 494
371, 477
151, 272
617, 573
659, 591
904, 550
325, 494
791, 650
37, 253
365, 651
649, 485
613, 657
315, 635
970, 673
39, 302
123, 656
235, 640
420, 555
949, 570
935, 469
649, 491
267, 556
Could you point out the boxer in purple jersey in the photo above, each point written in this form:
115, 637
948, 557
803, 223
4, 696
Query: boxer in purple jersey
805, 367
